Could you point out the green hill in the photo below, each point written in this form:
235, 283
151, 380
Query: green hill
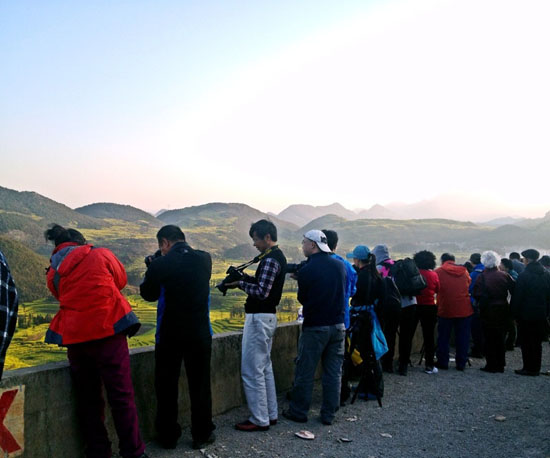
27, 268
128, 213
24, 216
414, 234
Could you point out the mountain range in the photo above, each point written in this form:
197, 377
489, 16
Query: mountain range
222, 229
445, 206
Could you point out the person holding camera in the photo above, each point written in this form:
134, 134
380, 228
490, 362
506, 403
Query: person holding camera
180, 281
321, 291
264, 292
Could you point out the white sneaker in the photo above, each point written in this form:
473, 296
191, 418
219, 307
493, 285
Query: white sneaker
433, 370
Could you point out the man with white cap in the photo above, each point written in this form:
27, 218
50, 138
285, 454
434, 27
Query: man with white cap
321, 289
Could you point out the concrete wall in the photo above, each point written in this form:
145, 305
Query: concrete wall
50, 423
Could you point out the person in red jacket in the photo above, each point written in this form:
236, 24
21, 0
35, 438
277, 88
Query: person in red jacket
454, 310
93, 321
426, 310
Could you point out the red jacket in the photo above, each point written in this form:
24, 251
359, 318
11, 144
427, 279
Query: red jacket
453, 300
426, 297
87, 282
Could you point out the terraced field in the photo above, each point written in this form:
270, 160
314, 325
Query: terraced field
226, 314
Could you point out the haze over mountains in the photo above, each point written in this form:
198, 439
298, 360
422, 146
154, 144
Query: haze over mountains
447, 206
222, 229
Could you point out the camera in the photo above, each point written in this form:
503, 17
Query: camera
149, 259
233, 274
294, 268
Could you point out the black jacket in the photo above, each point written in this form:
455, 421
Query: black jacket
531, 298
368, 288
184, 273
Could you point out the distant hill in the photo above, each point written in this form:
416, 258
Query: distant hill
376, 212
414, 234
302, 214
502, 221
106, 210
27, 269
24, 216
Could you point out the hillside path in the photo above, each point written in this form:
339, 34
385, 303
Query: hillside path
449, 414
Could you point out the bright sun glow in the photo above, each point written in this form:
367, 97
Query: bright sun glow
400, 101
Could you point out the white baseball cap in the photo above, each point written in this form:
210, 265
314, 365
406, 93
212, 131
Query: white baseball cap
319, 238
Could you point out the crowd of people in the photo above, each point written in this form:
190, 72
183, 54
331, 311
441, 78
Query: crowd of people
352, 313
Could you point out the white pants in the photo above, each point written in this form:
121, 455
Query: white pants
256, 368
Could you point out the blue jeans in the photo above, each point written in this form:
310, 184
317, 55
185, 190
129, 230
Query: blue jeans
462, 340
324, 343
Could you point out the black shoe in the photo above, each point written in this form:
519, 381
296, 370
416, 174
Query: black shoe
460, 368
326, 422
476, 354
201, 443
387, 366
402, 369
272, 422
290, 416
441, 366
526, 372
168, 443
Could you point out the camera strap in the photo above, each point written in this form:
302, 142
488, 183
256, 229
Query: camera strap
257, 258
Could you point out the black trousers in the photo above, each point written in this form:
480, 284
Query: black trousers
532, 333
406, 323
195, 355
478, 343
495, 346
427, 315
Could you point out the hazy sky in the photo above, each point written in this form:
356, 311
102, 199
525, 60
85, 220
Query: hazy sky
167, 104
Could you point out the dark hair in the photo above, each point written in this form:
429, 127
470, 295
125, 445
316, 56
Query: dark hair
425, 260
545, 260
171, 233
507, 263
514, 255
332, 238
57, 234
262, 228
469, 266
475, 258
371, 263
447, 257
76, 236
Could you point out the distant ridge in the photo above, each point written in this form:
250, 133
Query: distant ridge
376, 212
108, 210
303, 214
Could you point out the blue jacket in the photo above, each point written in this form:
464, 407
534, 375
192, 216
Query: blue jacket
473, 275
321, 290
351, 283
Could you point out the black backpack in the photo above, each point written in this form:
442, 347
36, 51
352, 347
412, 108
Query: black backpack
407, 277
391, 299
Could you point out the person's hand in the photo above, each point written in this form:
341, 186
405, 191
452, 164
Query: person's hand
233, 284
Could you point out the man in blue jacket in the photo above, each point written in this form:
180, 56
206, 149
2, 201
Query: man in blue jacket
351, 274
321, 289
478, 342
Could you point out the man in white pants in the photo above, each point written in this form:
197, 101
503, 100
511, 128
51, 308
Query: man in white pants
264, 292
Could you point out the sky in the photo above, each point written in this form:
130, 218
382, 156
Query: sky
168, 104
